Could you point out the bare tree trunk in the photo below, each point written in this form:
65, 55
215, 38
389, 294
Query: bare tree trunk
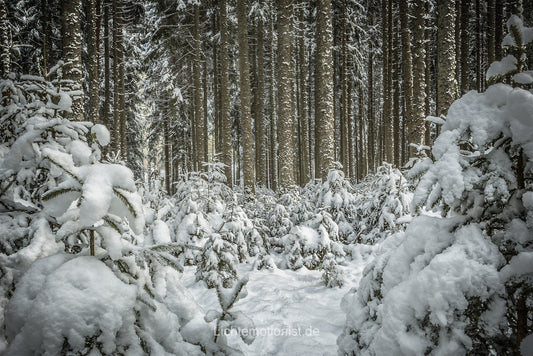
197, 91
107, 68
5, 42
260, 123
302, 113
274, 164
446, 84
286, 124
325, 120
371, 116
416, 127
407, 62
396, 94
227, 147
72, 43
92, 46
246, 116
465, 50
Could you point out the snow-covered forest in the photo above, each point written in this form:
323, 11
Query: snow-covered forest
266, 177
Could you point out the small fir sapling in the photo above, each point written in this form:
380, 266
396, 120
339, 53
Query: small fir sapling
228, 318
332, 274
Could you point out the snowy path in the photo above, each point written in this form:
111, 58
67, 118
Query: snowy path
293, 312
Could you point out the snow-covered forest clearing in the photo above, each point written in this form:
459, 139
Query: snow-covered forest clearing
266, 177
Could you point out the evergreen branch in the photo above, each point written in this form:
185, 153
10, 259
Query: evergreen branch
64, 169
111, 223
125, 200
51, 194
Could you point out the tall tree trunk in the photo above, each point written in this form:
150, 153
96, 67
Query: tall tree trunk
446, 85
344, 119
107, 68
274, 164
416, 127
304, 121
386, 67
325, 120
246, 116
407, 62
72, 43
465, 50
480, 78
427, 133
491, 44
371, 147
498, 30
361, 162
197, 91
396, 95
5, 42
286, 124
225, 119
92, 45
260, 123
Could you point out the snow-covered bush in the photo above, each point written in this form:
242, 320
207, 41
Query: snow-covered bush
227, 318
206, 206
460, 283
332, 275
434, 289
336, 197
381, 199
57, 196
217, 264
307, 244
108, 307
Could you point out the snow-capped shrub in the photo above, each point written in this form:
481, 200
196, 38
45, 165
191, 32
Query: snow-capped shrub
332, 275
336, 197
217, 264
227, 318
108, 307
461, 283
307, 244
280, 225
382, 198
264, 262
434, 289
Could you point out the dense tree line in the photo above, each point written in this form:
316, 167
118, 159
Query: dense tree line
276, 90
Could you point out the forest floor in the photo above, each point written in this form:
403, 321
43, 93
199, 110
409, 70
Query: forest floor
293, 312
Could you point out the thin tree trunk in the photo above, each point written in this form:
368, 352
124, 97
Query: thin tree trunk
5, 42
107, 68
260, 123
465, 50
92, 45
416, 127
274, 164
303, 119
227, 147
197, 91
246, 116
407, 62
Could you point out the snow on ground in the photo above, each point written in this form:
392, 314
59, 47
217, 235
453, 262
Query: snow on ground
293, 312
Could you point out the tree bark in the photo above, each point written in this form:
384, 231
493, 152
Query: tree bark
325, 120
92, 45
446, 84
416, 126
246, 116
72, 43
465, 50
197, 91
286, 122
260, 123
225, 119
